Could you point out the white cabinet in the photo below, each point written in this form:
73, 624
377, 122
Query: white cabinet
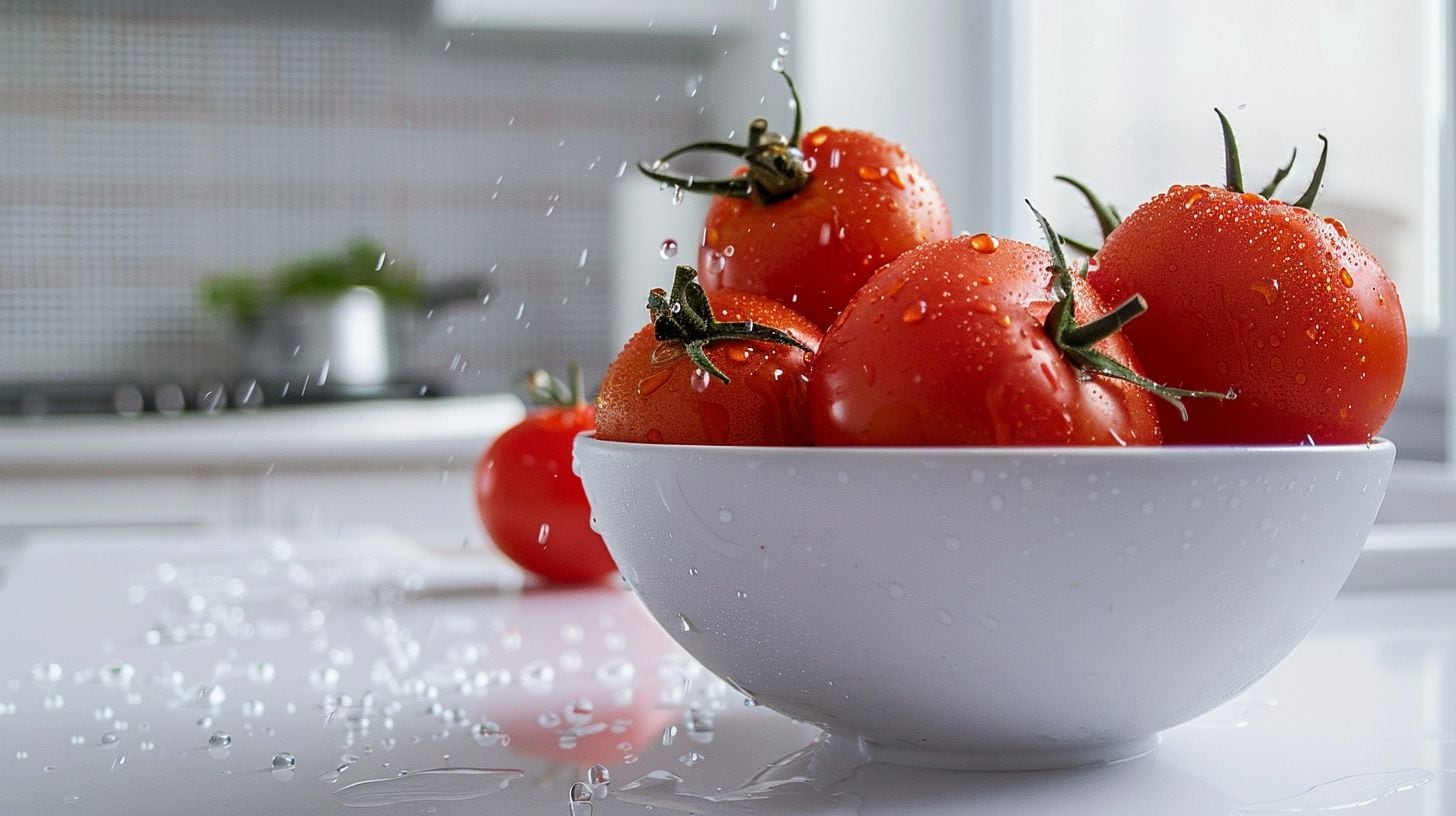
405, 465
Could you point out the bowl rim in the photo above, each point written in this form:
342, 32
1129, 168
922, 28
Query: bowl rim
1093, 452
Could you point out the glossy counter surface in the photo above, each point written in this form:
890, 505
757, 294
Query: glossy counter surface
369, 431
293, 677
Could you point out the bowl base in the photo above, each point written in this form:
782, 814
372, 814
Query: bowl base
1072, 756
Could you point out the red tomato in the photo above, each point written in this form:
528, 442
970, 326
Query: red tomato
948, 345
531, 503
1264, 297
733, 381
808, 221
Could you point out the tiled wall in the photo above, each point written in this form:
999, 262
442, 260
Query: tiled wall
141, 151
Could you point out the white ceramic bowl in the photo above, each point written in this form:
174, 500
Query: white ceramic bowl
987, 608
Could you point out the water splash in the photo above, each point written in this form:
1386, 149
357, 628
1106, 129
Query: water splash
431, 785
1346, 792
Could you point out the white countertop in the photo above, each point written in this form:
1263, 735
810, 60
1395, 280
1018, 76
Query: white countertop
356, 431
364, 657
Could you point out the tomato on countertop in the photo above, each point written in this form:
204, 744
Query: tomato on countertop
531, 503
807, 221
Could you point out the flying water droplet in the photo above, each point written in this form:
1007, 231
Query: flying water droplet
668, 250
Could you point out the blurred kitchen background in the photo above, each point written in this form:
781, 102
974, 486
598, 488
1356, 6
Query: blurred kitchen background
150, 145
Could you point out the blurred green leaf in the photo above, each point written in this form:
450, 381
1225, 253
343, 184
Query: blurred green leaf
363, 262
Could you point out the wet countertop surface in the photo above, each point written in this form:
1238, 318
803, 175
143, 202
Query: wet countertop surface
272, 675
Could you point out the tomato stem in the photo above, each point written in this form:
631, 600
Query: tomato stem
1090, 334
1233, 172
1084, 248
775, 163
1279, 176
685, 316
546, 390
1307, 200
1107, 218
1076, 341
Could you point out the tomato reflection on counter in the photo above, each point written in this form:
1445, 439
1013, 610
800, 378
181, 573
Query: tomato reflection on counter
531, 503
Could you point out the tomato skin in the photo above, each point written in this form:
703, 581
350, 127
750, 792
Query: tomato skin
1266, 298
526, 492
867, 202
908, 364
654, 393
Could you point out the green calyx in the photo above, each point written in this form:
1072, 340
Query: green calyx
1108, 218
775, 163
1076, 341
548, 391
1234, 174
685, 316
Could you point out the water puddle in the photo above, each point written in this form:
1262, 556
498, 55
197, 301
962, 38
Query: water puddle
432, 785
1346, 792
793, 784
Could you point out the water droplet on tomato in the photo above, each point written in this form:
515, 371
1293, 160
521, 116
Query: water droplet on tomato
1346, 278
1252, 198
984, 243
740, 353
870, 173
826, 231
651, 383
668, 249
699, 380
915, 312
1005, 321
1268, 289
1300, 378
1193, 199
985, 307
894, 178
654, 436
543, 534
1339, 226
818, 138
1355, 322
